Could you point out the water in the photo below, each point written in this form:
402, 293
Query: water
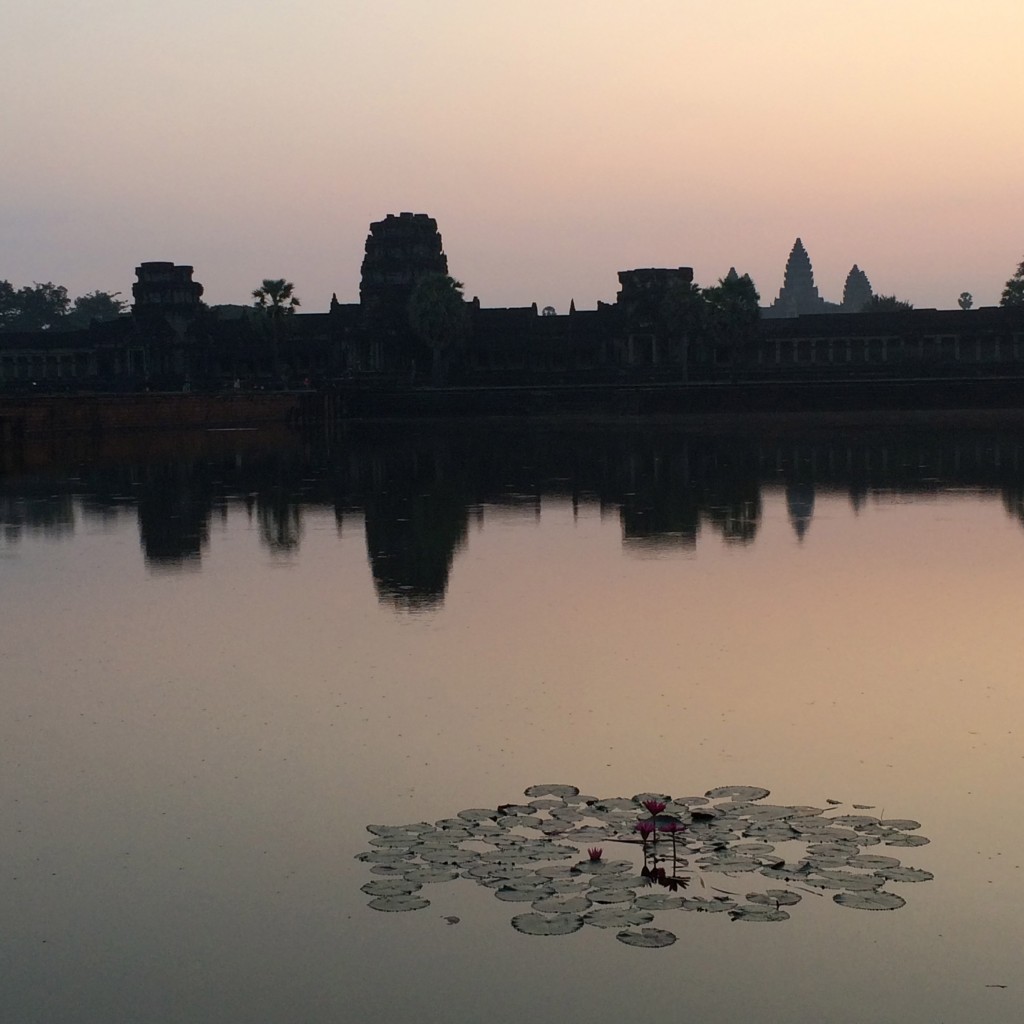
223, 658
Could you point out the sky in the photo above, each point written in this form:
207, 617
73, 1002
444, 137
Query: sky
556, 142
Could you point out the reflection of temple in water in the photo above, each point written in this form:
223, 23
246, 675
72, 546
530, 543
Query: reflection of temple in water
414, 495
800, 506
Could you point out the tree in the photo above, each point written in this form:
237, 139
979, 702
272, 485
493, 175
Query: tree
37, 307
734, 312
1013, 293
965, 301
683, 314
97, 306
277, 299
8, 303
276, 296
886, 304
439, 317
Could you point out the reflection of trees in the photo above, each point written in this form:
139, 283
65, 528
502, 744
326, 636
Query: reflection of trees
737, 516
658, 506
280, 522
51, 515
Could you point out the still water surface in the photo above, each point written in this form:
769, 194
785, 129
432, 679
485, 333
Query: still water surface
221, 662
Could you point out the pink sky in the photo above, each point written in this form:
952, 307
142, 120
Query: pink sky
555, 141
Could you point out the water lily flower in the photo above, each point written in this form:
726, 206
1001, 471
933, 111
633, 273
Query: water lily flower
654, 806
645, 828
672, 826
594, 852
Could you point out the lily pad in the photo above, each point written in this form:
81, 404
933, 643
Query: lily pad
561, 903
906, 874
738, 793
400, 841
788, 872
774, 898
389, 887
616, 917
547, 924
559, 871
873, 861
521, 892
397, 904
869, 900
728, 863
420, 828
855, 821
657, 901
479, 814
649, 938
429, 874
755, 912
907, 841
708, 906
384, 856
611, 895
515, 810
639, 798
829, 879
619, 803
553, 789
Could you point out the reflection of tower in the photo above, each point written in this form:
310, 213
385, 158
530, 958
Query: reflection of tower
416, 521
174, 514
800, 505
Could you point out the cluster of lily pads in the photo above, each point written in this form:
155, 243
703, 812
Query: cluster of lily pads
726, 852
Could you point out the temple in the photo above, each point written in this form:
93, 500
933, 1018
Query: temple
798, 295
660, 328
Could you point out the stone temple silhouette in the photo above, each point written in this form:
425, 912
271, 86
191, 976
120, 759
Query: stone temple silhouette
799, 294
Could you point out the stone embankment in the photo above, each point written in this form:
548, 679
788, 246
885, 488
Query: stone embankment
45, 416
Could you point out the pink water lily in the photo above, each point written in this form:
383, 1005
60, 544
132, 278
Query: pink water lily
594, 852
672, 826
645, 828
654, 806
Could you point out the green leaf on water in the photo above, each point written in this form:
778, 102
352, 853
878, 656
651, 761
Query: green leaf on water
649, 938
869, 900
398, 903
547, 924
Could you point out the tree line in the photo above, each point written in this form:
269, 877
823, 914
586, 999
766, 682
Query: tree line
49, 307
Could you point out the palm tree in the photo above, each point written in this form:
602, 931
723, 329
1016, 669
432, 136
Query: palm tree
276, 298
439, 317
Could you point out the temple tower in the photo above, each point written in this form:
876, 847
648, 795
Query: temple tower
165, 288
857, 291
798, 294
399, 249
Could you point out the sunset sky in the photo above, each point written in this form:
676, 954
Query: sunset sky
555, 141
